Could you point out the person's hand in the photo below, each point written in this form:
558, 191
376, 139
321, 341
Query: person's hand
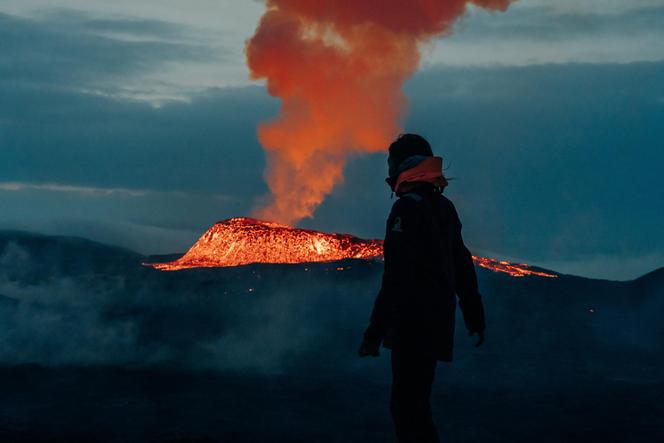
480, 337
369, 348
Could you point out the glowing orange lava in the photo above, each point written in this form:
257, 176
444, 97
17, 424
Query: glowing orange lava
241, 241
513, 269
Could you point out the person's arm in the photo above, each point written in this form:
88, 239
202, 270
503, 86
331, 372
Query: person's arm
401, 227
470, 300
375, 333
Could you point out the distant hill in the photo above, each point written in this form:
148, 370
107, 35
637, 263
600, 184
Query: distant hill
41, 256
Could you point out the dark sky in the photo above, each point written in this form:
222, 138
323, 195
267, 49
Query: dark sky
140, 131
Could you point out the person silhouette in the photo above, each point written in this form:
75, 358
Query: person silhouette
427, 267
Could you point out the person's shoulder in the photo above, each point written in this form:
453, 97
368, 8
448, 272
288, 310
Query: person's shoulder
446, 203
449, 210
407, 204
444, 200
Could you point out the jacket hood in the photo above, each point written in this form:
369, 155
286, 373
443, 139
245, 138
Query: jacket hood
418, 169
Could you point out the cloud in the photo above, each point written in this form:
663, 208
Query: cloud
551, 33
607, 7
207, 144
56, 187
70, 51
95, 191
548, 23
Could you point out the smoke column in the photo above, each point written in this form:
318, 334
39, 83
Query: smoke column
338, 67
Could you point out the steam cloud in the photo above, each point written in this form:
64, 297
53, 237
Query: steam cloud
86, 304
338, 67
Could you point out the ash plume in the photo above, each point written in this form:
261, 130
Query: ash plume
338, 67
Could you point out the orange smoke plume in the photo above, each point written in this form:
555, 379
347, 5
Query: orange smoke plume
338, 67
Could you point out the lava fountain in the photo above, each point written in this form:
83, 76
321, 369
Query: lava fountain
338, 67
242, 241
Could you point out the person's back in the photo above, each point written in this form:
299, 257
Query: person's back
426, 267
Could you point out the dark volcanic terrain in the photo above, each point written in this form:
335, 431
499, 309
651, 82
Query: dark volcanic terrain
97, 347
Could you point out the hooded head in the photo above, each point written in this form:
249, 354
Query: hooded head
406, 145
411, 162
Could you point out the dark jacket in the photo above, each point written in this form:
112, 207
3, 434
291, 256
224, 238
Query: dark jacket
427, 266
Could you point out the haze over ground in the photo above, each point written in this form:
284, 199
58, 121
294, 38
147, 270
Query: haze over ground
134, 123
96, 347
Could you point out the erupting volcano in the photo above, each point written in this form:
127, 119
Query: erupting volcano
241, 241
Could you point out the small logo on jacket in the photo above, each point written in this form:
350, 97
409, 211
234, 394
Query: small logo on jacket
396, 227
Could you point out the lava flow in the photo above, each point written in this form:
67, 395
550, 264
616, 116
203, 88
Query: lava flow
241, 241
